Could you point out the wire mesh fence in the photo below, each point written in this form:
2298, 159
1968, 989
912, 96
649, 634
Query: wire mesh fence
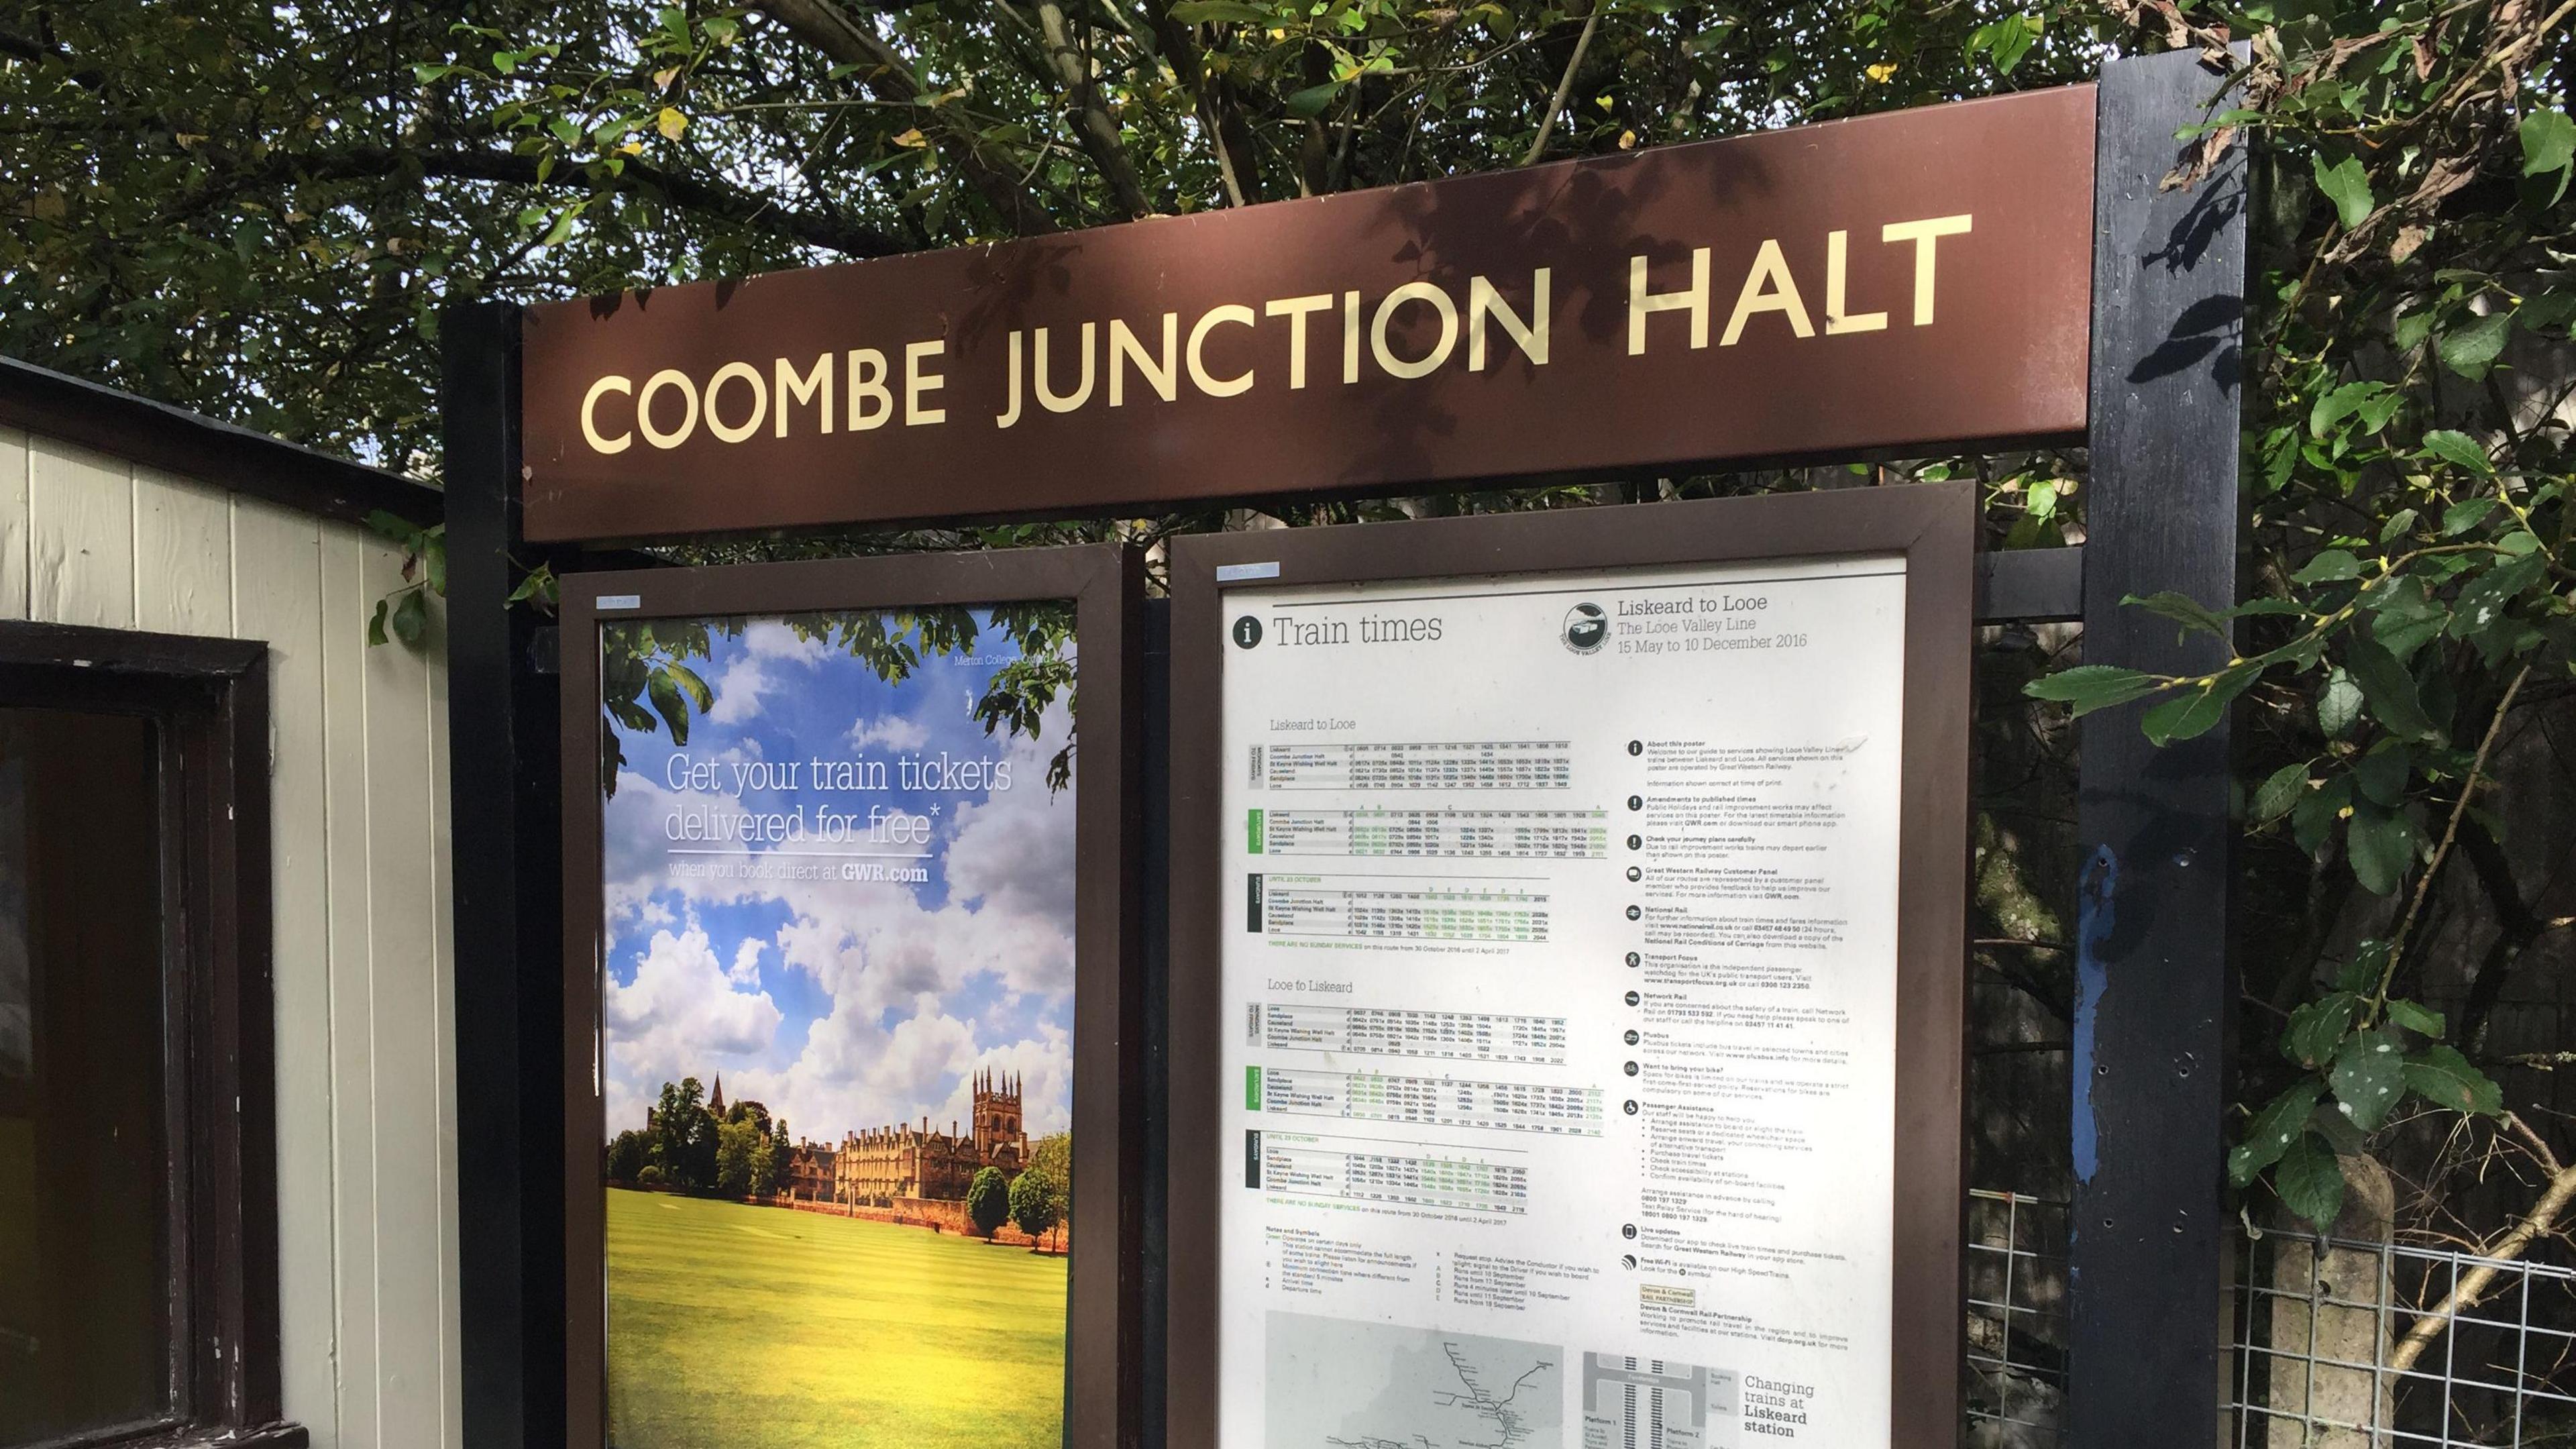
2336, 1343
2016, 1353
2345, 1344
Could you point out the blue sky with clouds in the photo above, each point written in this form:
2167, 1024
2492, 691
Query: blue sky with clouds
841, 1004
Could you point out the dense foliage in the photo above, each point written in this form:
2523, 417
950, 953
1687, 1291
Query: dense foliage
255, 210
742, 1153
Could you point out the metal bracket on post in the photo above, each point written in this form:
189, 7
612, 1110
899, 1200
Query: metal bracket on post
2153, 986
504, 814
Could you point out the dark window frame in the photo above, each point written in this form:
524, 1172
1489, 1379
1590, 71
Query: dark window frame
210, 697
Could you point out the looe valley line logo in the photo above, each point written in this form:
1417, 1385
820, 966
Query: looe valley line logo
861, 389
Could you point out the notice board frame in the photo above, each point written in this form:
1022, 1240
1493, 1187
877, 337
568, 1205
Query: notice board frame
2154, 983
1105, 584
1933, 526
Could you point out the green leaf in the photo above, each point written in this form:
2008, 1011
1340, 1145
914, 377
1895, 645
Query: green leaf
1309, 103
2338, 1131
2421, 1020
2316, 1031
2330, 566
2342, 403
2279, 792
2470, 350
2444, 1077
2195, 712
2272, 1131
668, 704
411, 616
2361, 971
2369, 1078
691, 685
2338, 704
2347, 185
2458, 449
1221, 12
2381, 775
2460, 517
2312, 820
2089, 687
2483, 603
376, 625
2548, 142
2399, 524
2183, 609
2310, 1180
2404, 617
2387, 686
2381, 847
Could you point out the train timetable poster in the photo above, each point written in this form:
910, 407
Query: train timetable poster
1559, 972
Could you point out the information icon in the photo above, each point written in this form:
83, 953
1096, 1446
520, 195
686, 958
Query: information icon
1247, 632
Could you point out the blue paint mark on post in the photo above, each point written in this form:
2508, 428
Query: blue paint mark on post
2095, 902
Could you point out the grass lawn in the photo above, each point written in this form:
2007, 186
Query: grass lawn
735, 1327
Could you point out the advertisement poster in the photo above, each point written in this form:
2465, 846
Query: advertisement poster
837, 1015
1559, 979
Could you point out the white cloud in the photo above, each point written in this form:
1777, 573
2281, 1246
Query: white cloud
893, 732
748, 680
745, 970
681, 1016
1014, 851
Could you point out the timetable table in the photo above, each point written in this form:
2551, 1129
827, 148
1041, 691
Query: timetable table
1471, 765
1445, 911
1425, 1101
1327, 1167
1507, 834
1450, 1035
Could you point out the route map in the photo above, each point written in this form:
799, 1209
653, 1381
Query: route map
1337, 1384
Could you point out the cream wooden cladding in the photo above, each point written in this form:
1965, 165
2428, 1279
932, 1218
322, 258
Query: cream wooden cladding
365, 1035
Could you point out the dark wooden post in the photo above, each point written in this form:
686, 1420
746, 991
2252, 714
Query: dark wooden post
2153, 986
507, 837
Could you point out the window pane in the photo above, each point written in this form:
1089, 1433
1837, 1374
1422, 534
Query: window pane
84, 1172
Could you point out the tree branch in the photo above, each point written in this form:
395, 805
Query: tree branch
822, 25
1238, 156
2472, 1286
1564, 87
1099, 134
469, 164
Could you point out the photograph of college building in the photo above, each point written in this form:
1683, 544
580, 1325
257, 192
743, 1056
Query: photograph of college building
883, 1164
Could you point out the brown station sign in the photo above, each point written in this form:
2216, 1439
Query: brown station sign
1886, 283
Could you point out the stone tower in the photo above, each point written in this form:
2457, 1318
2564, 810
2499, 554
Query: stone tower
999, 1138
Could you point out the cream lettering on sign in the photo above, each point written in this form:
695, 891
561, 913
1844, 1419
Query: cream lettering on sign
871, 402
669, 377
1295, 310
1048, 397
1768, 288
916, 381
751, 378
1158, 372
1429, 362
590, 433
814, 388
1484, 302
741, 400
1838, 320
1215, 317
1692, 299
1926, 236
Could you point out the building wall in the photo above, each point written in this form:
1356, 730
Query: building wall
366, 1156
